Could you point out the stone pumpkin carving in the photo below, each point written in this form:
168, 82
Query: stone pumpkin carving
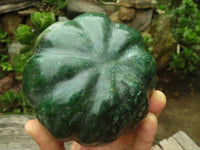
89, 79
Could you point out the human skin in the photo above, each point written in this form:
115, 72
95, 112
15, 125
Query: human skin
140, 138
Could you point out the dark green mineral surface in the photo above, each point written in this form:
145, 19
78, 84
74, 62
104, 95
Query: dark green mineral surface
89, 79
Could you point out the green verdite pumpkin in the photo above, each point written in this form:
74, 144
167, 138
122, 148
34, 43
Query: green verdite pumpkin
89, 79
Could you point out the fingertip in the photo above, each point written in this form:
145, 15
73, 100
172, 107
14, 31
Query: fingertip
150, 123
146, 132
29, 127
162, 96
157, 102
41, 135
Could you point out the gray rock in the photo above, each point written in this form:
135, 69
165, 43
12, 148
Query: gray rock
142, 19
12, 133
7, 6
126, 14
115, 17
27, 12
139, 4
145, 4
164, 44
14, 49
76, 7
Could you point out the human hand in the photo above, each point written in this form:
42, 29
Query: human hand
140, 138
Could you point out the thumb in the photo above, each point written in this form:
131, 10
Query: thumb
45, 141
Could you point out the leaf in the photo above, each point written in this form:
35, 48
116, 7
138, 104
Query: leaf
5, 109
189, 36
7, 40
7, 98
22, 106
20, 61
3, 36
3, 57
6, 66
48, 1
25, 34
197, 29
61, 3
17, 111
42, 20
25, 49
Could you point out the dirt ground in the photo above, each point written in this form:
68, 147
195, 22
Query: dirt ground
182, 111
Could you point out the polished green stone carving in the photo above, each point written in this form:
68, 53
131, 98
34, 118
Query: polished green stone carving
89, 79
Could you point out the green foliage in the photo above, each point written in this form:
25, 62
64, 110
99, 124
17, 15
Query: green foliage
187, 60
147, 43
25, 34
8, 97
42, 20
5, 66
164, 7
15, 103
25, 49
185, 21
3, 57
186, 24
11, 101
59, 3
20, 61
3, 36
109, 0
48, 1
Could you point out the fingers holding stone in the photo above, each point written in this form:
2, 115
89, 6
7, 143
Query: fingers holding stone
45, 141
